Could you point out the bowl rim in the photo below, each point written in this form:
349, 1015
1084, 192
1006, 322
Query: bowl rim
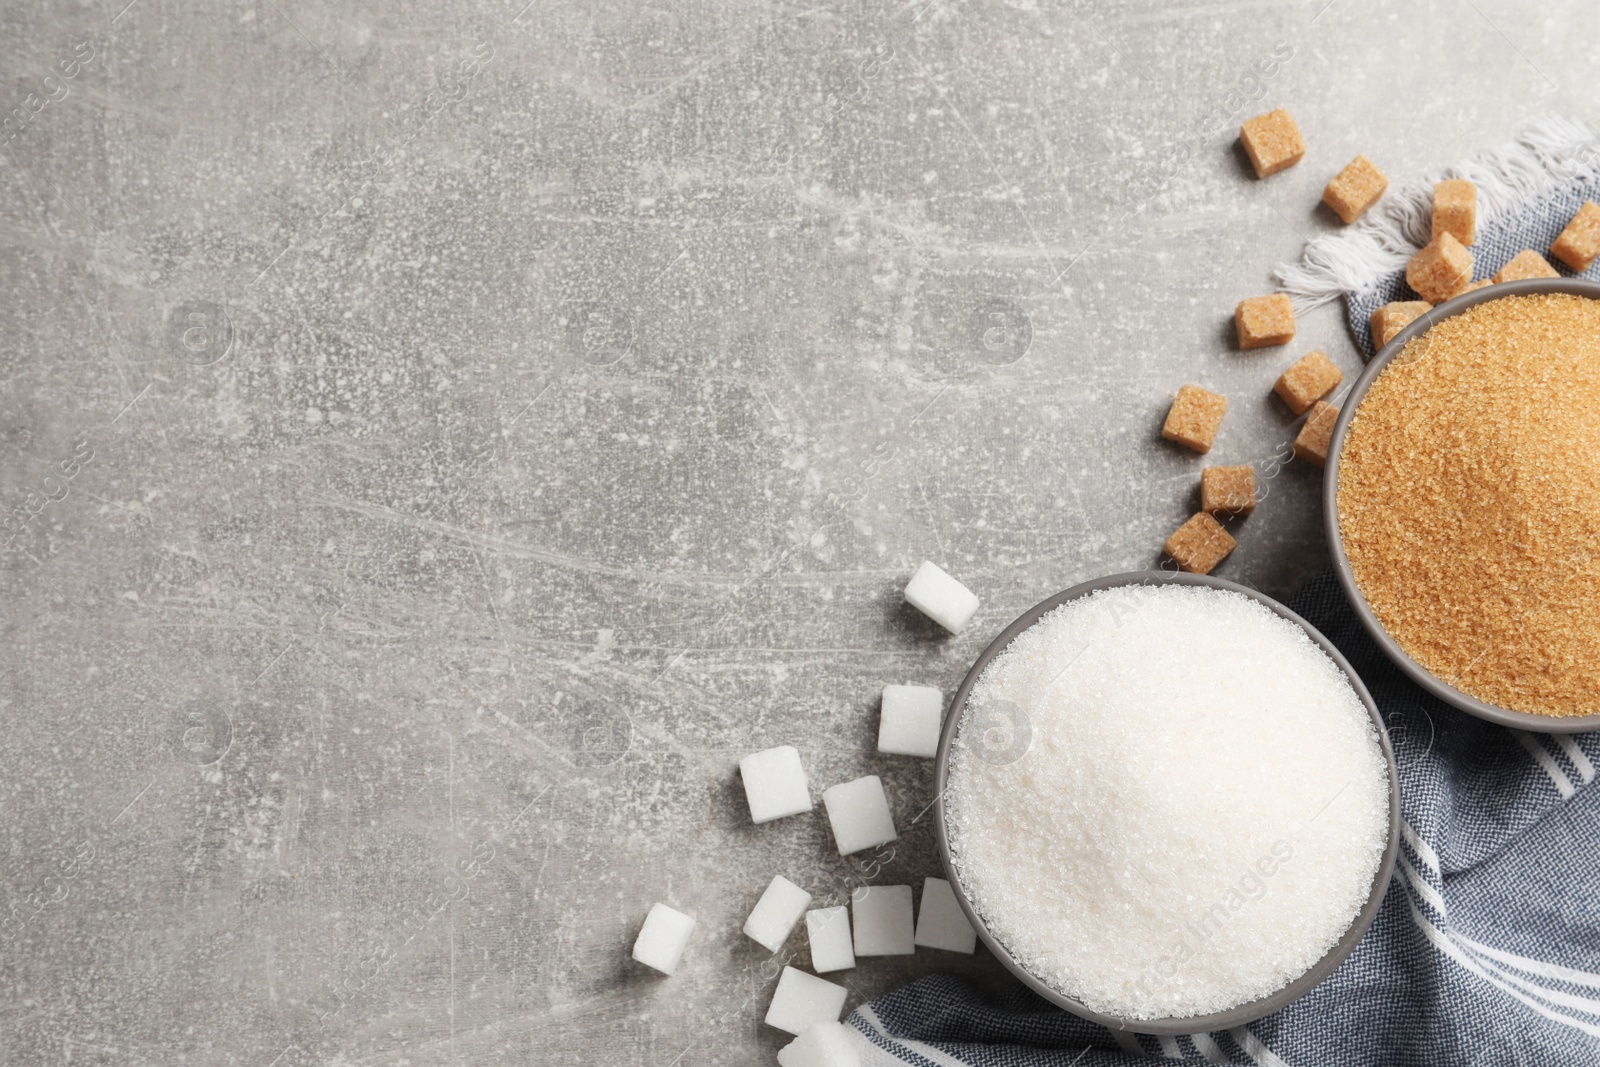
1251, 1010
1438, 687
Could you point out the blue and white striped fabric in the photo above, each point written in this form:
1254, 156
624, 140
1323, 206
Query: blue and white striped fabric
1486, 951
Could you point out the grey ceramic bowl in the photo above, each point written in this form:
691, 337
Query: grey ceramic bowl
1222, 1020
1446, 692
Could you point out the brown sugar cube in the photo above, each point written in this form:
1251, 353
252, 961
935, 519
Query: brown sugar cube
1194, 418
1355, 189
1228, 490
1264, 321
1311, 443
1394, 317
1579, 243
1311, 378
1199, 544
1526, 264
1455, 209
1482, 283
1273, 142
1441, 269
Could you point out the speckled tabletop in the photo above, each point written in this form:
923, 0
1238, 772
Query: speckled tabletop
438, 440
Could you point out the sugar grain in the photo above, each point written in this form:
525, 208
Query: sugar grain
1469, 501
1200, 815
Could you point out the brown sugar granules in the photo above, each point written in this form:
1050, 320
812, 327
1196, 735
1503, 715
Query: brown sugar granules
1469, 502
1199, 544
1273, 142
1194, 417
1226, 491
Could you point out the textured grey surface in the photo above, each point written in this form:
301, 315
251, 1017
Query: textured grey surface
439, 439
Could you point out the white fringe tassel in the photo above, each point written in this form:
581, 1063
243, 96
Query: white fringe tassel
1548, 157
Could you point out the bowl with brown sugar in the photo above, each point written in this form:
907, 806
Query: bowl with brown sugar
1462, 498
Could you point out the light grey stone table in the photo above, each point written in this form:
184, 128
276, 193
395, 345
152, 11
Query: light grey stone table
438, 440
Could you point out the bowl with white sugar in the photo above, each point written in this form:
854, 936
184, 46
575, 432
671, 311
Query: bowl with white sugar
1166, 802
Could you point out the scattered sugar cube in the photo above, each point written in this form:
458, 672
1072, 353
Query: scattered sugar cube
1199, 544
941, 598
828, 931
1311, 378
1311, 443
910, 720
883, 920
1394, 317
1455, 209
802, 1000
940, 921
1482, 283
1194, 417
776, 913
1440, 269
1579, 243
1264, 321
1273, 142
1355, 189
662, 939
1526, 264
822, 1045
858, 811
1228, 490
775, 784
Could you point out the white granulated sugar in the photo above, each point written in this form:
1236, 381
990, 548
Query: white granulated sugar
775, 784
859, 813
828, 931
777, 913
940, 922
941, 598
663, 938
909, 722
1198, 816
821, 1045
802, 1000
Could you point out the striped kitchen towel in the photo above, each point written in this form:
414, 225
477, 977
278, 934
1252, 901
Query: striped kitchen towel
1528, 191
1486, 950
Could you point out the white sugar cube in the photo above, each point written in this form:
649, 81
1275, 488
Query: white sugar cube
909, 722
859, 814
828, 930
776, 913
775, 784
661, 941
883, 920
941, 598
802, 1000
822, 1045
941, 923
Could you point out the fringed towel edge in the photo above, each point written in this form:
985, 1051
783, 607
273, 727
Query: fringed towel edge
1554, 153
